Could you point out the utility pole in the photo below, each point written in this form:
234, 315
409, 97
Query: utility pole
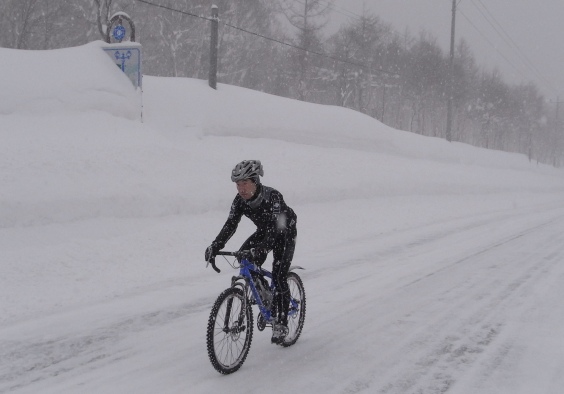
556, 116
212, 79
556, 129
450, 88
557, 110
383, 103
304, 59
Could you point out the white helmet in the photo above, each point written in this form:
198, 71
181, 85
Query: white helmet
247, 169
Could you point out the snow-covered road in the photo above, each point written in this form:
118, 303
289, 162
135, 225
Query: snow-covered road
469, 304
431, 267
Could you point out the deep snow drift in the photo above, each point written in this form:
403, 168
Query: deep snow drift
104, 220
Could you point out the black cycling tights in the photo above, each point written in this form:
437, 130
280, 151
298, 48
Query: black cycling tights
283, 253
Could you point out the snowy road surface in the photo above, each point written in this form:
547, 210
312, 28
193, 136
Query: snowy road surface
431, 267
471, 304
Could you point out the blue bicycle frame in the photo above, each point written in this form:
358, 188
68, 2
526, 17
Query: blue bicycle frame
245, 272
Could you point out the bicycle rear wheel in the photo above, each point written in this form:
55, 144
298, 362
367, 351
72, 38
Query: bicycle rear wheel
230, 331
297, 310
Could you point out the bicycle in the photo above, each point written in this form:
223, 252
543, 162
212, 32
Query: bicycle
230, 325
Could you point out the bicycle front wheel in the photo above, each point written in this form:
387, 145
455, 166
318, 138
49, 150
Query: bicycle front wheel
230, 331
297, 309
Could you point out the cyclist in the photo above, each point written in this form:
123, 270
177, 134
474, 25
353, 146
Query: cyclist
276, 231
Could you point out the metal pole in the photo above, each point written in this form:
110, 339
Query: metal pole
383, 103
450, 88
556, 117
212, 79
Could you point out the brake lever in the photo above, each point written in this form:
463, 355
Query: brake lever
212, 262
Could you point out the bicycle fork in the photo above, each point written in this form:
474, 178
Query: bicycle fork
238, 326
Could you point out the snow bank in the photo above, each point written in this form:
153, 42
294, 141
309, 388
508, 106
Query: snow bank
74, 149
104, 220
64, 80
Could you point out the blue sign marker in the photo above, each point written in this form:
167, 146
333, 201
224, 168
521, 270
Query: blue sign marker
119, 33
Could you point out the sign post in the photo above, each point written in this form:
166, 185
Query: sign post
123, 50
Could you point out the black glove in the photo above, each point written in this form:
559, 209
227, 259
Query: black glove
258, 253
211, 251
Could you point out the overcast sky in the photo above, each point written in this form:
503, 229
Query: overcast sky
527, 43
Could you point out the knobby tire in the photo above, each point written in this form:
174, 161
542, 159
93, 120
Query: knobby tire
295, 322
230, 331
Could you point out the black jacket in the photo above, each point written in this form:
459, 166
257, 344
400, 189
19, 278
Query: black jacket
267, 210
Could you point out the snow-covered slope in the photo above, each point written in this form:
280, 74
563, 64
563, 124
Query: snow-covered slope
104, 219
64, 80
73, 147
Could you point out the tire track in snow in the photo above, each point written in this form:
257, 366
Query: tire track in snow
385, 246
26, 363
393, 320
439, 345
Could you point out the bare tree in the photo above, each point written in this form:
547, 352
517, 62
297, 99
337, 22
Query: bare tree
308, 17
488, 111
20, 18
103, 14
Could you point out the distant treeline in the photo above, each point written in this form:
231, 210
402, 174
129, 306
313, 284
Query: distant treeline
280, 47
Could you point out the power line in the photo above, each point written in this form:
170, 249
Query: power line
505, 36
312, 51
343, 11
338, 9
491, 44
508, 36
332, 57
509, 41
174, 10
